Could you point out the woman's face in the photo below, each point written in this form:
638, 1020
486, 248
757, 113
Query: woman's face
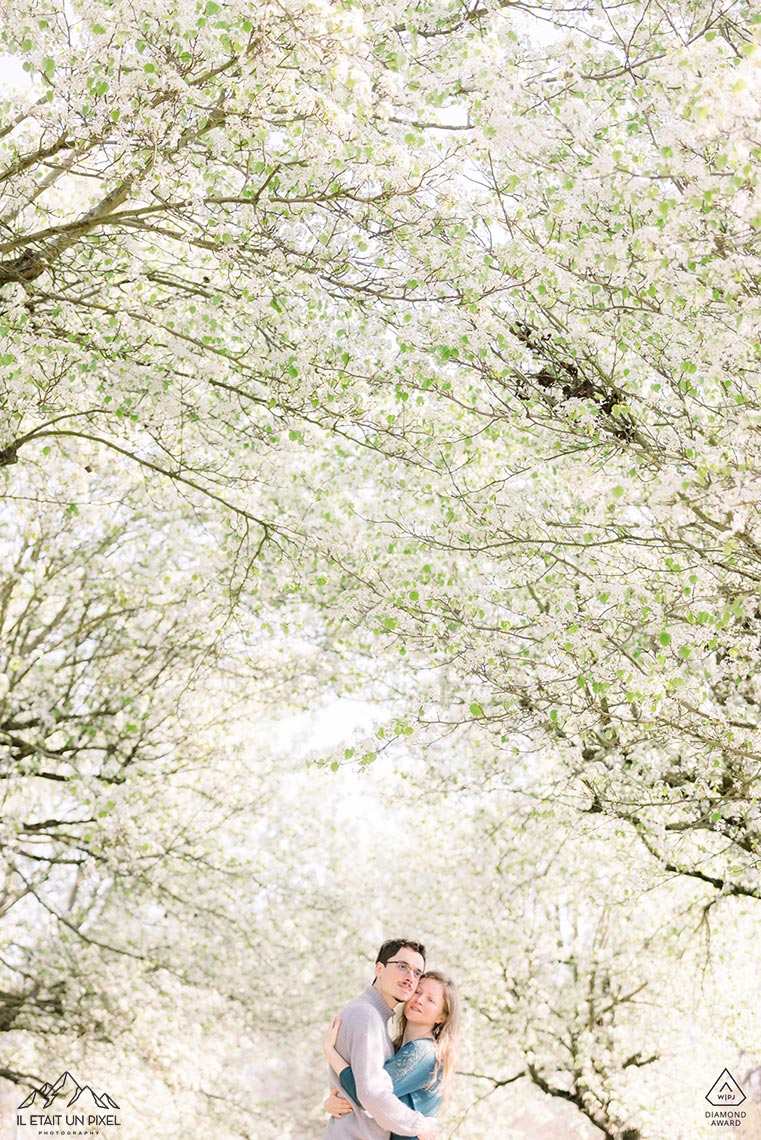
426, 1006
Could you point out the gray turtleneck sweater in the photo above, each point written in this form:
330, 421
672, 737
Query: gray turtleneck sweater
364, 1041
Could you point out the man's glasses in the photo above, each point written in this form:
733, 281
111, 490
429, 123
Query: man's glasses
405, 969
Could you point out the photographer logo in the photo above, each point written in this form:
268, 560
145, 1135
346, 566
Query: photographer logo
66, 1108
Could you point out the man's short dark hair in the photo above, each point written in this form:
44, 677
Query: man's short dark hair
392, 946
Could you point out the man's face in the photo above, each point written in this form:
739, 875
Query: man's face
398, 979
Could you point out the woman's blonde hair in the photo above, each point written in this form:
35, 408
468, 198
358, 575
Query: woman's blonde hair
444, 1035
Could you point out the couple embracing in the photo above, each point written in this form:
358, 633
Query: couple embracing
392, 1085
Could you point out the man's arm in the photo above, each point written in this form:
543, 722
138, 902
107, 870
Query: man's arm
364, 1045
410, 1070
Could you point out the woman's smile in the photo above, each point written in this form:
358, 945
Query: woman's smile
426, 1006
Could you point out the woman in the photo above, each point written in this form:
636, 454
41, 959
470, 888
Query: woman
422, 1067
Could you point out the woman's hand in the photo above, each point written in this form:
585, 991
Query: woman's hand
329, 1041
336, 1104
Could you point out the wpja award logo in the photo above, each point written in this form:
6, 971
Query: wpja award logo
66, 1108
726, 1096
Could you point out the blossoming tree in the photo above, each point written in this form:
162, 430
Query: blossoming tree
417, 347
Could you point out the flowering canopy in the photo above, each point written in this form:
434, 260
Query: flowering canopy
426, 337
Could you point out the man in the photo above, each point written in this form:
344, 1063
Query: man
364, 1041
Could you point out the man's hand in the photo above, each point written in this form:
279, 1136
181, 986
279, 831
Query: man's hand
429, 1131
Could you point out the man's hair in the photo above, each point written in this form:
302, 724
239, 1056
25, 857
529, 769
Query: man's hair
392, 946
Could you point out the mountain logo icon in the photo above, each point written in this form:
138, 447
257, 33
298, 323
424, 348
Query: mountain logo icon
725, 1091
67, 1092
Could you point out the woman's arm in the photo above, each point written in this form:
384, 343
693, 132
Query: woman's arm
410, 1069
337, 1104
335, 1060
